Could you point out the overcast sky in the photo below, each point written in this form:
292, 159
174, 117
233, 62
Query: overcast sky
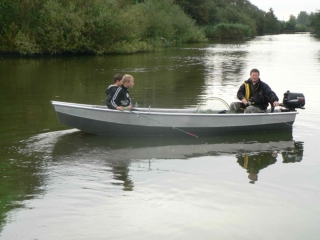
284, 8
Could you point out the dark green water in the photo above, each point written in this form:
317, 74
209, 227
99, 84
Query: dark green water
60, 183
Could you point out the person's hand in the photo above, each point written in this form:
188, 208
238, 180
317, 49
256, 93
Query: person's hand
276, 104
119, 108
129, 107
244, 101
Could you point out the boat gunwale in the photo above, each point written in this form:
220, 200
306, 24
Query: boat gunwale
106, 109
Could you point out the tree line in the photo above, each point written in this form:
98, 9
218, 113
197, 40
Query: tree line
304, 22
126, 26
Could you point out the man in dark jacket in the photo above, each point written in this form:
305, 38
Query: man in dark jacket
117, 82
254, 95
121, 99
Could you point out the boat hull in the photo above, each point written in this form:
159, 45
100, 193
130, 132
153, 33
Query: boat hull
102, 121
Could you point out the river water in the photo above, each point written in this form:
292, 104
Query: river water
61, 183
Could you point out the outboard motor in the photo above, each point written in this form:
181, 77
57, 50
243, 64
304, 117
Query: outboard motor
291, 100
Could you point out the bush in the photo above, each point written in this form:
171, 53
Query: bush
8, 24
227, 30
301, 28
95, 26
168, 21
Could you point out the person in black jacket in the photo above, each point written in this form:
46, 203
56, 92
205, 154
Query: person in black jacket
117, 82
254, 95
121, 99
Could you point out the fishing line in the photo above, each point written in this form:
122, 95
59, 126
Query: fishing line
193, 135
285, 122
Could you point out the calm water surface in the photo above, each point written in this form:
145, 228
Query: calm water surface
60, 183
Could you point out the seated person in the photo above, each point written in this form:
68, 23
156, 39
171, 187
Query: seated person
121, 97
254, 95
117, 82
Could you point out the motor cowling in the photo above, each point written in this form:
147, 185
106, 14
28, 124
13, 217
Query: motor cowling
292, 100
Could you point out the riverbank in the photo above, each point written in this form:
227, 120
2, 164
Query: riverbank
99, 27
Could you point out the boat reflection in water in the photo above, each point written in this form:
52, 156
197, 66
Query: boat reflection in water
253, 162
253, 152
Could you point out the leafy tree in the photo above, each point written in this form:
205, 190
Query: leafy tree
291, 24
303, 18
315, 23
197, 9
272, 23
105, 26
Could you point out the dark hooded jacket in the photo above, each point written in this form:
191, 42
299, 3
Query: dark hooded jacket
110, 92
120, 98
259, 95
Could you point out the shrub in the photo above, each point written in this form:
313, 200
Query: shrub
93, 26
227, 30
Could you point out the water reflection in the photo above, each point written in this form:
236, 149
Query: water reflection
254, 152
58, 159
253, 162
224, 62
293, 155
23, 177
120, 171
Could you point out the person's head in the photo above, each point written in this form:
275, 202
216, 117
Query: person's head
275, 154
254, 75
128, 81
253, 176
117, 79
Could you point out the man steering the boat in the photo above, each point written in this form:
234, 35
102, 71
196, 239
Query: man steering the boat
121, 99
254, 95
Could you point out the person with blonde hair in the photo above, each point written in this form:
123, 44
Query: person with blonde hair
121, 99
